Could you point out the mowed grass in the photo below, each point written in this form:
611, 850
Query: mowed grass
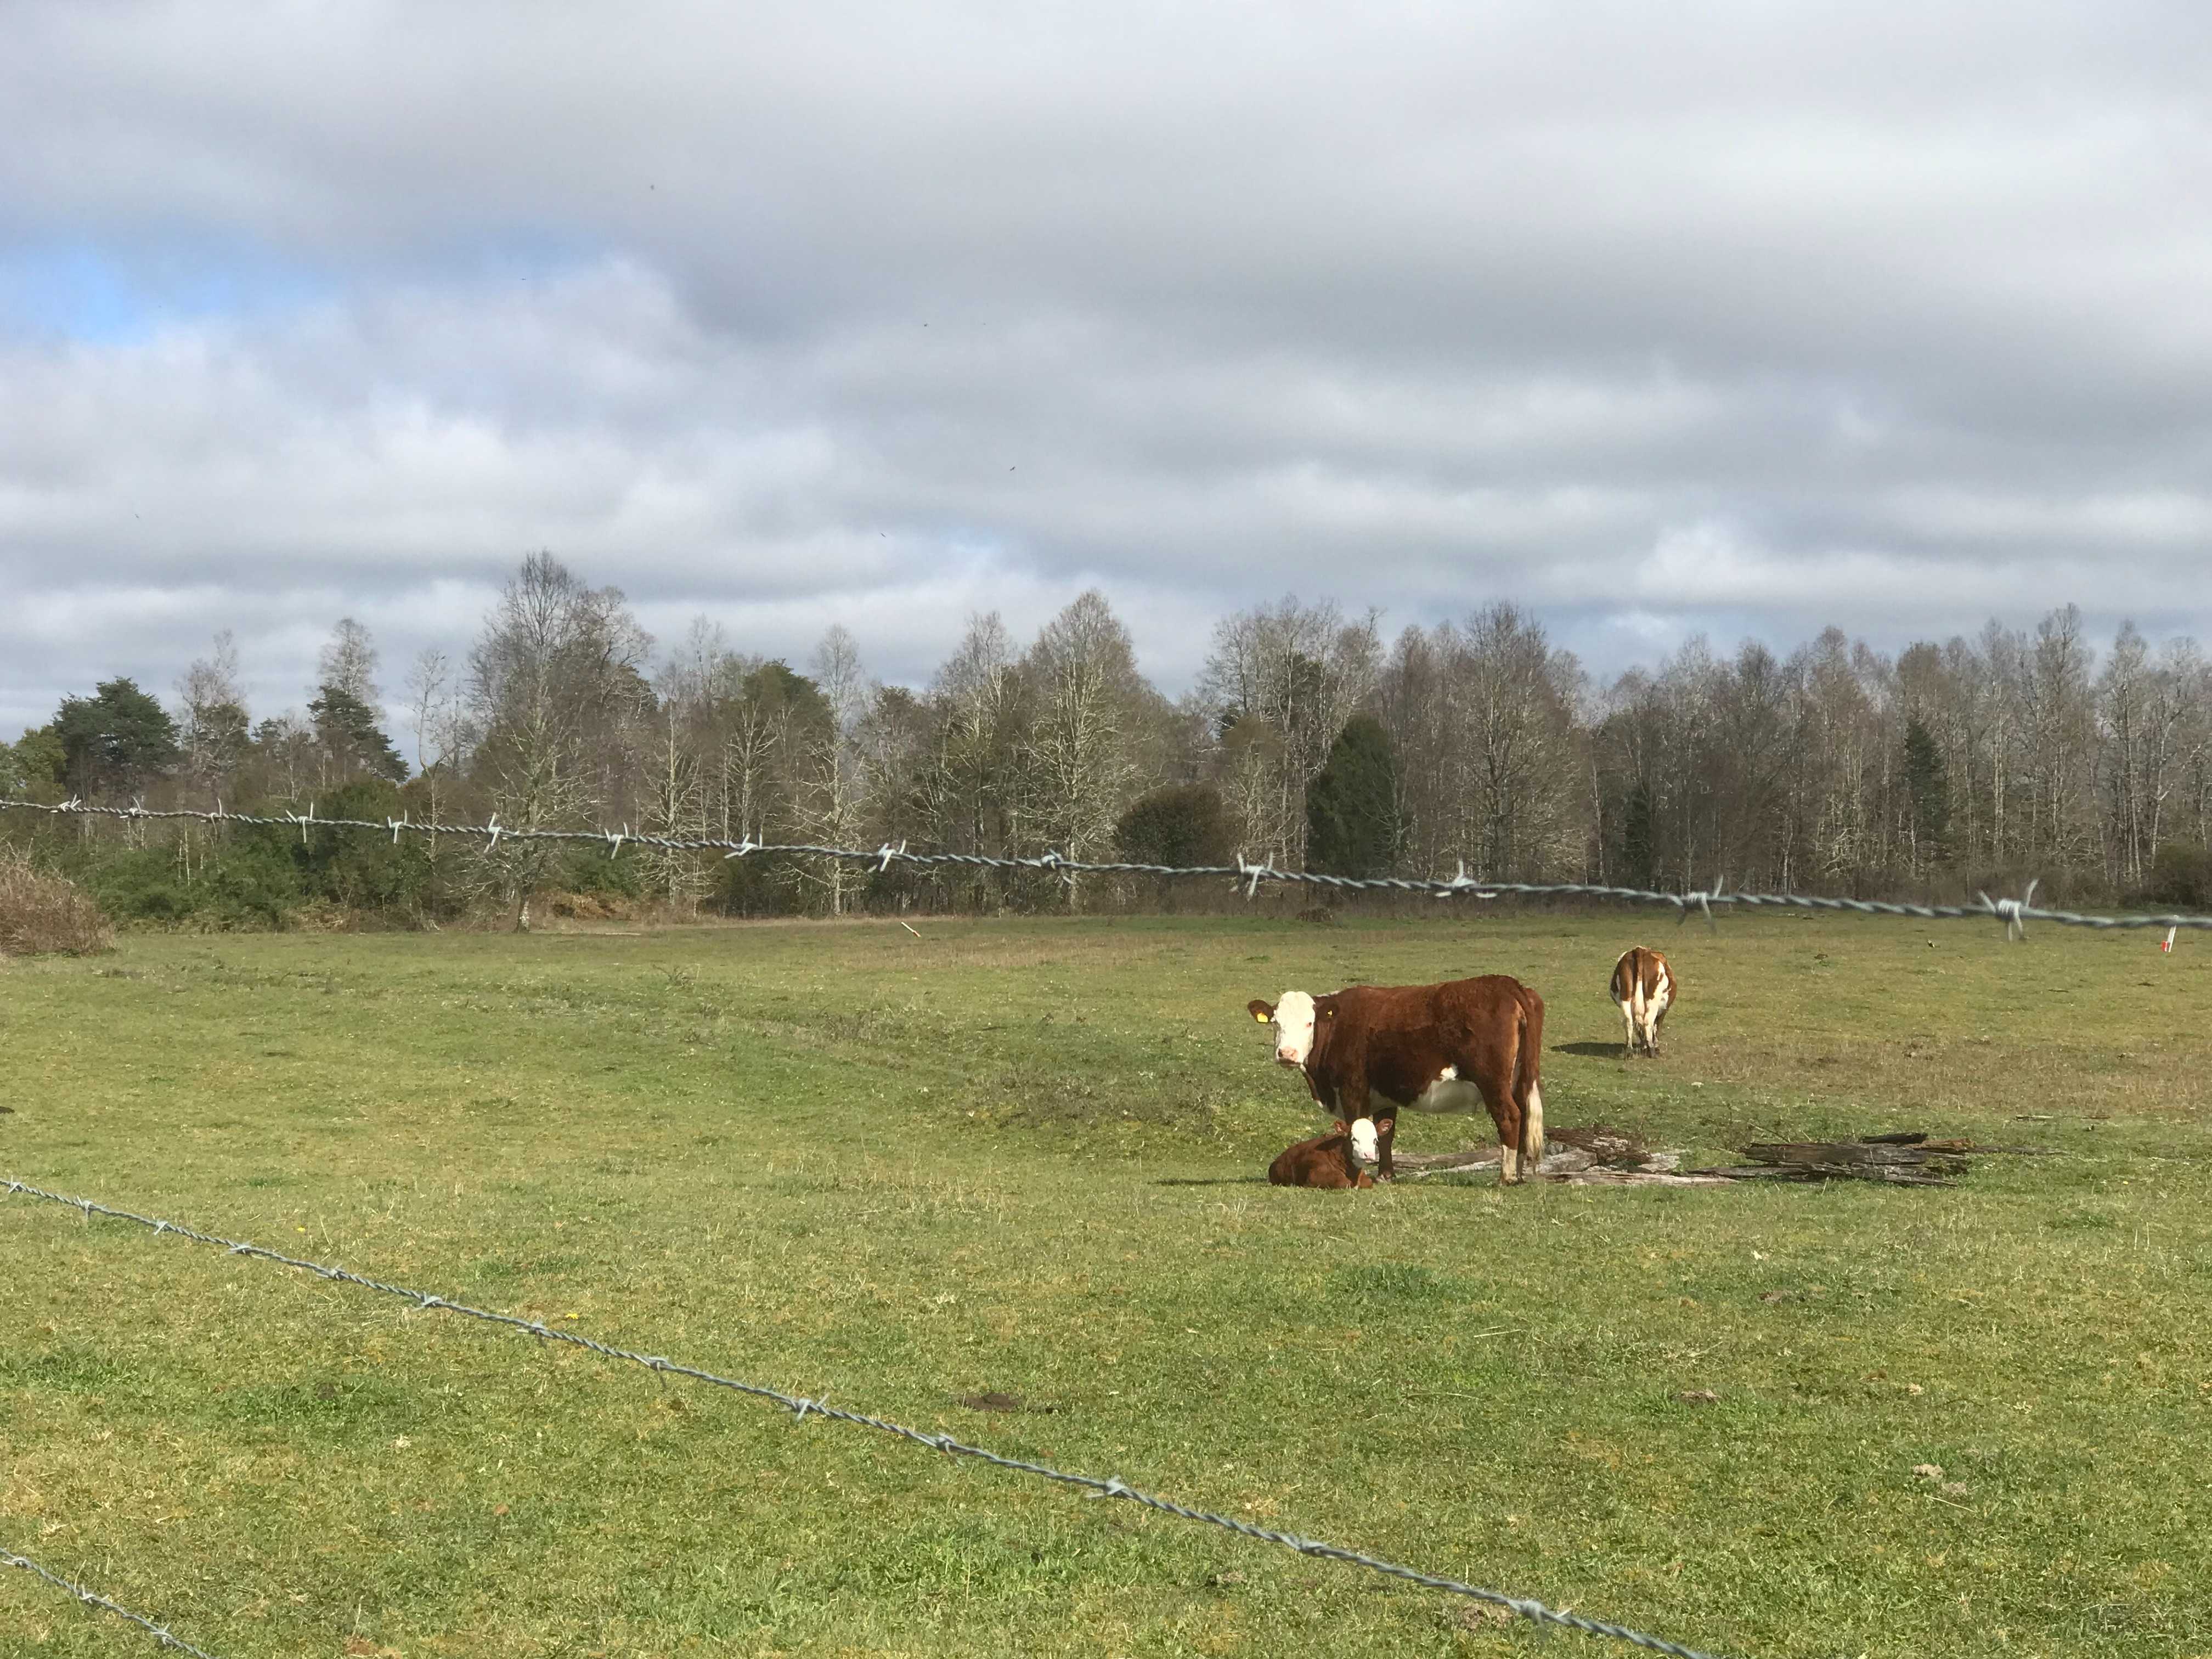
1028, 1156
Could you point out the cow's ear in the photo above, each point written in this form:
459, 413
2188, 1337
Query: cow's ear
1341, 1127
1385, 1125
1262, 1011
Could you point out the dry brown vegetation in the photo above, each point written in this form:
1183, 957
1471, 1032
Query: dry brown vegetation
44, 913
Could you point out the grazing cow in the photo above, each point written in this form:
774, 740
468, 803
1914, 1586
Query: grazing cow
1427, 1048
1644, 988
1324, 1161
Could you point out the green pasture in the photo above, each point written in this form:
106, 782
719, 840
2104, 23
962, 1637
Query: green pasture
1027, 1157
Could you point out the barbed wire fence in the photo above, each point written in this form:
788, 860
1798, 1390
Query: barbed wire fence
801, 1408
159, 1632
2014, 913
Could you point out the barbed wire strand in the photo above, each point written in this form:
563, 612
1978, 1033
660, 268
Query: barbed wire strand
8, 1559
1535, 1612
2014, 913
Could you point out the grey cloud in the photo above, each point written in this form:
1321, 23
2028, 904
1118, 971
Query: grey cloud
1734, 318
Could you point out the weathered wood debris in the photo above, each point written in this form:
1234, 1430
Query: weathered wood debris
1600, 1156
1907, 1158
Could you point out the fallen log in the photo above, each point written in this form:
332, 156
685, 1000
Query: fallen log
1890, 1173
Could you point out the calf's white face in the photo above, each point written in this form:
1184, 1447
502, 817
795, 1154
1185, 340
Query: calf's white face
1366, 1144
1294, 1028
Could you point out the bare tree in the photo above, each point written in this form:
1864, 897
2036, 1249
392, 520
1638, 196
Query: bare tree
213, 731
1519, 698
1303, 671
971, 794
2060, 730
1485, 723
441, 736
553, 684
284, 744
1080, 753
676, 796
831, 806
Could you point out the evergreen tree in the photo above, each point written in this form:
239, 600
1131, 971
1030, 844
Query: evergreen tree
40, 762
1928, 787
118, 741
1352, 826
1639, 863
355, 745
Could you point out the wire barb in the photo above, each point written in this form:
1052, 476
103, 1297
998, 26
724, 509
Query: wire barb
1703, 900
2015, 911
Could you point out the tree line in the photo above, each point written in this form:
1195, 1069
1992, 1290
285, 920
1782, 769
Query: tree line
1307, 742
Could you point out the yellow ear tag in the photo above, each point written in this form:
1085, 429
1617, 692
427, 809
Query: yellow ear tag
1262, 1018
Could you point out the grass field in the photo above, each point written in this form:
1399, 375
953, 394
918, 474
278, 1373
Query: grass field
1028, 1156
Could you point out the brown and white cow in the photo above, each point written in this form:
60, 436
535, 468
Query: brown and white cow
1643, 988
1324, 1161
1426, 1048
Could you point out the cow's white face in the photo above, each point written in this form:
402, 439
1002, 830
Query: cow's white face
1294, 1028
1366, 1143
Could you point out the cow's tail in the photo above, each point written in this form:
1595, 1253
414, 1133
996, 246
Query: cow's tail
1633, 970
1528, 1090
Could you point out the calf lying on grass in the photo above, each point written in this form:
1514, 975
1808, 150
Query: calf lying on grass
1324, 1161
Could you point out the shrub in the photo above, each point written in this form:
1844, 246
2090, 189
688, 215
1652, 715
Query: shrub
41, 912
2180, 874
1180, 823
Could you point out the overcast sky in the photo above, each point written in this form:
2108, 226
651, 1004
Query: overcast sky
1742, 319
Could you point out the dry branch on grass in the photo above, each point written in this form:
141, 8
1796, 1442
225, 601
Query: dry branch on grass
45, 914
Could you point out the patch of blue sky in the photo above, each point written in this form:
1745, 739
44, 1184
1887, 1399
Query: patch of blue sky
111, 293
103, 295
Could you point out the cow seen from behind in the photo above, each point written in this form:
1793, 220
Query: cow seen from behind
1446, 1047
1643, 989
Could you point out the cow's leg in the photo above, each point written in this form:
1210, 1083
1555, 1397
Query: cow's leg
1386, 1131
1628, 1018
1506, 1113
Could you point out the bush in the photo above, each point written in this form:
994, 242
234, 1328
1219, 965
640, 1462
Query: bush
41, 912
2180, 875
1181, 823
137, 884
